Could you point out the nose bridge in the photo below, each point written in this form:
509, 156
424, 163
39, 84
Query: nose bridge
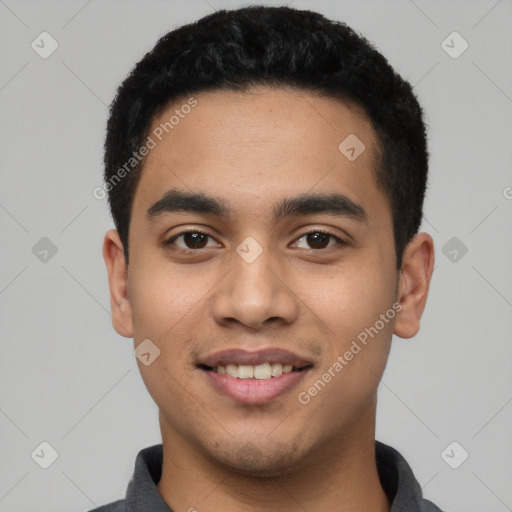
252, 293
255, 279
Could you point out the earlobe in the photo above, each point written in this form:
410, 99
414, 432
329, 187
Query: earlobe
113, 255
414, 284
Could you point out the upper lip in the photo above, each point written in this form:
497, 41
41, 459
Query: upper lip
255, 357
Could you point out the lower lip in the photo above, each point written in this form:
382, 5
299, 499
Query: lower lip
254, 391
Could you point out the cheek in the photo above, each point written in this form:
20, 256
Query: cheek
166, 304
351, 300
355, 349
161, 298
357, 306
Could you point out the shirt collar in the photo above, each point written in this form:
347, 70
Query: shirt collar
395, 474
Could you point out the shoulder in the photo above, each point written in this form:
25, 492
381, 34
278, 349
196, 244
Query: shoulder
428, 506
116, 506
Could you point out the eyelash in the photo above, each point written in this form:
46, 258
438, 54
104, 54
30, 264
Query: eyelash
170, 241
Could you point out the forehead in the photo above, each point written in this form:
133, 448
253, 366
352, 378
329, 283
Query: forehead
253, 148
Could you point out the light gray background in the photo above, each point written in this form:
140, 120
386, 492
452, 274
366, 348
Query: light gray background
66, 376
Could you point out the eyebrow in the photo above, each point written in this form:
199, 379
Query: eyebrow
332, 204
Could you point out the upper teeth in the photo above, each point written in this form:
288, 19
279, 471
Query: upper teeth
261, 371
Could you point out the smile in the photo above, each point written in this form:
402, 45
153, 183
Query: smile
254, 377
262, 371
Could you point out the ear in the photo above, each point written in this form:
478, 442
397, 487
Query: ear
414, 283
117, 281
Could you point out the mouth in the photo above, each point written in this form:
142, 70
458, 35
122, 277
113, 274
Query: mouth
263, 371
254, 377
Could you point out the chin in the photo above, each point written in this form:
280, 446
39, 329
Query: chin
266, 461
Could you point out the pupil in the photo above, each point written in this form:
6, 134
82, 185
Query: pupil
195, 239
315, 240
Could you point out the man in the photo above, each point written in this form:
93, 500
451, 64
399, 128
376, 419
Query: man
266, 171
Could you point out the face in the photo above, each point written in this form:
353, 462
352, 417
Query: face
257, 245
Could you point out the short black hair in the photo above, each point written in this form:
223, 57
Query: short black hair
274, 46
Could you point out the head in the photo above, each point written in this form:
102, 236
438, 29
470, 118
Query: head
296, 158
229, 51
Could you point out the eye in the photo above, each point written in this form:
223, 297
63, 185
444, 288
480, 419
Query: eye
319, 239
194, 239
189, 240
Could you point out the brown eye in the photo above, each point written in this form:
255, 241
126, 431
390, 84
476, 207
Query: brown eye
319, 240
195, 240
189, 240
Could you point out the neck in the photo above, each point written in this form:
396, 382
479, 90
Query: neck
340, 476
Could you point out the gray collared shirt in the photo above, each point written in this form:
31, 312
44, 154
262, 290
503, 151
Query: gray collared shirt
395, 474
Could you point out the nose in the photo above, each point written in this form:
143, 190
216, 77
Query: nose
256, 294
